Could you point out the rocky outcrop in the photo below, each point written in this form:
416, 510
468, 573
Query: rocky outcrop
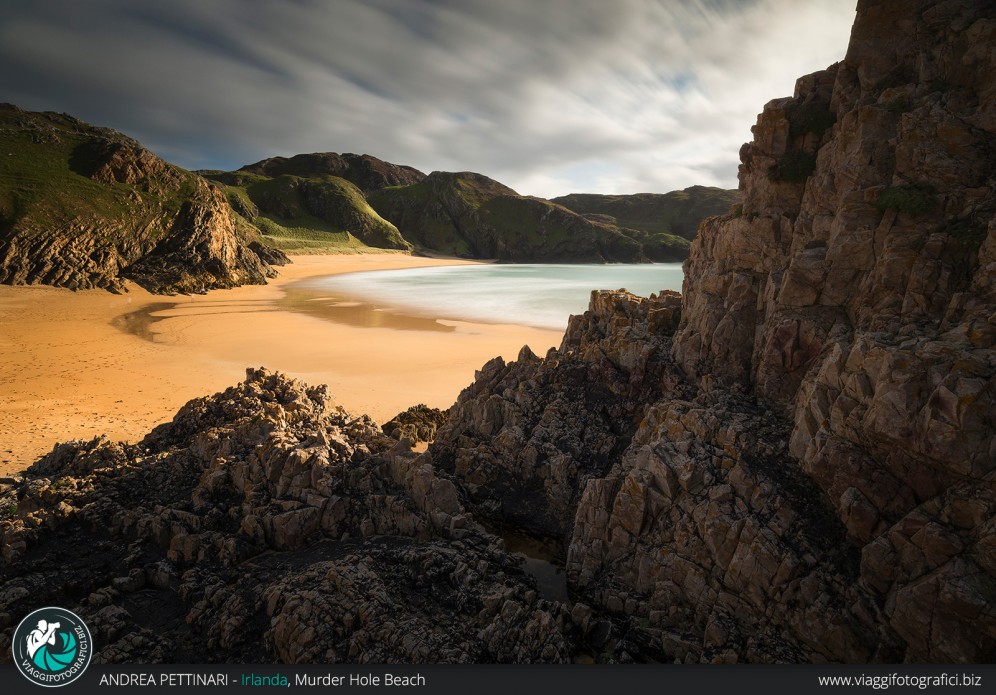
859, 300
525, 437
203, 250
417, 424
812, 477
84, 207
267, 524
679, 508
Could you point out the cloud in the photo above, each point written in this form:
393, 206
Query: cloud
549, 98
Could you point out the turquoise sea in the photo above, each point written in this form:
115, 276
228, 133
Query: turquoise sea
537, 295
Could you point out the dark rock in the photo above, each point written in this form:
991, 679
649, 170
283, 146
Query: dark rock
220, 538
417, 424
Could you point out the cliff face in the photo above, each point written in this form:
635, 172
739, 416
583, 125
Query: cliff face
823, 485
860, 300
84, 207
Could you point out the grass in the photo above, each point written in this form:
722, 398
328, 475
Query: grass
430, 213
45, 180
794, 167
38, 183
813, 117
677, 212
661, 246
324, 214
914, 200
317, 237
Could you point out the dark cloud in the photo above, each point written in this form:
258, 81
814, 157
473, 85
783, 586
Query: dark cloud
548, 97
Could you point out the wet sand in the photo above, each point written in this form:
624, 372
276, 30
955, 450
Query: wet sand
74, 365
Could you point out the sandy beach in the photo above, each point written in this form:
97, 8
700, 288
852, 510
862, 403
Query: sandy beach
77, 364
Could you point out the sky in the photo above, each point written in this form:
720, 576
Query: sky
547, 96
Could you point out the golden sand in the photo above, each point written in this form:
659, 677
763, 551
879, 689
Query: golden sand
77, 364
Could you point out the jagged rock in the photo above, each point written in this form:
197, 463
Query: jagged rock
267, 524
859, 300
821, 488
417, 424
526, 435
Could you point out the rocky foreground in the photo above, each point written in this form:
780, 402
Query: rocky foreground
267, 524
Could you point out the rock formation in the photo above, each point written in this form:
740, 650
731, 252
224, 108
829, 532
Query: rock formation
867, 320
267, 524
85, 207
821, 487
417, 424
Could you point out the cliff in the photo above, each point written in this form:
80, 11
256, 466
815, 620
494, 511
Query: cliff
812, 477
85, 207
857, 298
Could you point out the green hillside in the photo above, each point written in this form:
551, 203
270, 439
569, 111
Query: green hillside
469, 215
320, 214
85, 207
677, 212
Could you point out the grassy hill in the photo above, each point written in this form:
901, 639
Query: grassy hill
318, 214
677, 212
469, 215
86, 207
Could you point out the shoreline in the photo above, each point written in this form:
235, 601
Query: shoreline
74, 365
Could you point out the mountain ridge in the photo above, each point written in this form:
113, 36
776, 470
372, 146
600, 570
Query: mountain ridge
88, 207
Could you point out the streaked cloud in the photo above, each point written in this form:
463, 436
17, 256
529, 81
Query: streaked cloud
548, 97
